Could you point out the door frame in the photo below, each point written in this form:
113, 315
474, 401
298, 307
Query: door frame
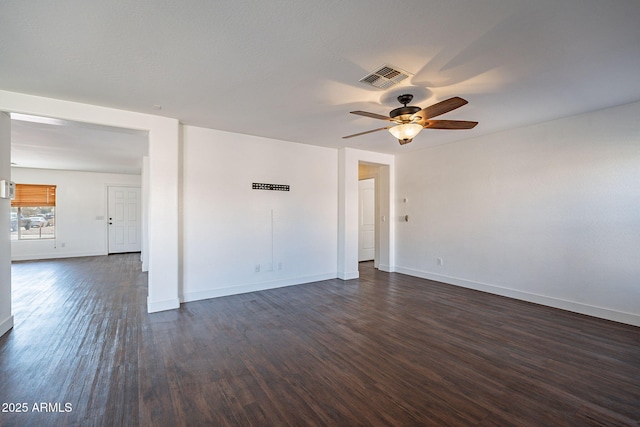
163, 176
348, 161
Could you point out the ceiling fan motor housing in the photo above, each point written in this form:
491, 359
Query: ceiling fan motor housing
403, 113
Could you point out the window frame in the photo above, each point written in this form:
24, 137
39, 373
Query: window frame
34, 196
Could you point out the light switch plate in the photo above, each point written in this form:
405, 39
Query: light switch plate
7, 189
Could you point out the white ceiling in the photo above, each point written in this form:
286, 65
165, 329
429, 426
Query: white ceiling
65, 145
289, 69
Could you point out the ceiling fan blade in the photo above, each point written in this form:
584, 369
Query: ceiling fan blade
364, 133
449, 124
372, 115
440, 108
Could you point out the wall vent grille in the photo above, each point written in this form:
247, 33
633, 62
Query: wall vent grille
385, 76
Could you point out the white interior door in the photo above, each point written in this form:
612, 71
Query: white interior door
366, 220
125, 223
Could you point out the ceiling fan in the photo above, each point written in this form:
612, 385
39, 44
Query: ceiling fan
410, 120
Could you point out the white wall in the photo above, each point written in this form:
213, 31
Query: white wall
163, 212
548, 213
6, 319
81, 198
229, 229
145, 213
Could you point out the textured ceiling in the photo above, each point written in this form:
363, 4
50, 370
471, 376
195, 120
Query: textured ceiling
289, 69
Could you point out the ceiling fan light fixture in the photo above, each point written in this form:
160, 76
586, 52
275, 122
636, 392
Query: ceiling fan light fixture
405, 131
410, 120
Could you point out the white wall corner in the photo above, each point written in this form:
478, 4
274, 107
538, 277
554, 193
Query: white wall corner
163, 212
348, 275
6, 326
342, 238
5, 243
387, 268
144, 255
156, 306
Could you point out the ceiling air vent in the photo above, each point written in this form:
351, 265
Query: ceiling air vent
385, 77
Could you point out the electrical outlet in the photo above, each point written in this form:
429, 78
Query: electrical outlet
440, 261
257, 268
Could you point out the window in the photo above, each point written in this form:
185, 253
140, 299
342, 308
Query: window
33, 212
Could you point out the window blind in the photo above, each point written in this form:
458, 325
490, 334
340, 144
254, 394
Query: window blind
34, 195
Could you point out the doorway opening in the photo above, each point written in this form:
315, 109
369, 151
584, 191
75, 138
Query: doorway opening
369, 214
366, 219
80, 161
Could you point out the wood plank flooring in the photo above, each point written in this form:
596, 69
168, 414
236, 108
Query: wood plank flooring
383, 350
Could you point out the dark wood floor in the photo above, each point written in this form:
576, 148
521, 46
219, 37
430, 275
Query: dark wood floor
386, 349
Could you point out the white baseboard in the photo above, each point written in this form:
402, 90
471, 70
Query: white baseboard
6, 325
348, 275
55, 255
385, 267
254, 287
576, 307
155, 306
